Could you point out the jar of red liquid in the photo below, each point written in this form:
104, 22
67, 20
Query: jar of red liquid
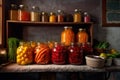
23, 14
59, 54
75, 54
87, 49
86, 17
60, 16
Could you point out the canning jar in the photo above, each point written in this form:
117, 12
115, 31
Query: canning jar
60, 16
75, 54
23, 14
13, 12
82, 36
42, 53
24, 53
77, 17
86, 17
67, 35
59, 54
34, 15
52, 17
44, 17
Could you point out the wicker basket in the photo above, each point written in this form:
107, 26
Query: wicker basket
95, 61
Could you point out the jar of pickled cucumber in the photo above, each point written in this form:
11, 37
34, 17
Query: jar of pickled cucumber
24, 53
67, 35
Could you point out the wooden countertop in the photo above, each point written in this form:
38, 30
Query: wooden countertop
13, 67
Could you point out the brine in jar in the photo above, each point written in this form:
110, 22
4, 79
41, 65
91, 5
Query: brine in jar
67, 35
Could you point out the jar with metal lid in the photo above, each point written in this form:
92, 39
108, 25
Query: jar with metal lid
77, 17
23, 14
35, 15
82, 36
75, 54
86, 17
59, 54
52, 17
67, 35
60, 16
44, 17
13, 12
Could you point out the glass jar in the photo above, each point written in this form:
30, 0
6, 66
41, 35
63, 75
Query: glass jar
82, 36
23, 14
60, 16
59, 54
24, 53
42, 53
52, 17
67, 36
86, 17
13, 12
44, 17
77, 17
75, 54
34, 15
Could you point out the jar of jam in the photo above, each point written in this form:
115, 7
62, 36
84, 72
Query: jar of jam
82, 36
67, 35
86, 17
44, 17
75, 54
34, 15
14, 12
77, 17
60, 16
59, 54
23, 14
52, 17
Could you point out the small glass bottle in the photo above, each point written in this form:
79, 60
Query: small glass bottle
67, 36
77, 16
52, 17
60, 16
86, 17
82, 36
34, 15
14, 12
23, 14
44, 17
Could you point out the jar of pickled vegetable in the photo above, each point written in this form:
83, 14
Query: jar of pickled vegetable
52, 17
23, 14
24, 53
82, 36
60, 16
42, 53
34, 15
67, 36
77, 17
59, 54
75, 54
14, 12
44, 17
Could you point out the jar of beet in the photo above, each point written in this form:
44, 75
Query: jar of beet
59, 54
75, 54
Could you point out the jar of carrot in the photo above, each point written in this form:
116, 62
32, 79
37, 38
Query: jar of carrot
67, 35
